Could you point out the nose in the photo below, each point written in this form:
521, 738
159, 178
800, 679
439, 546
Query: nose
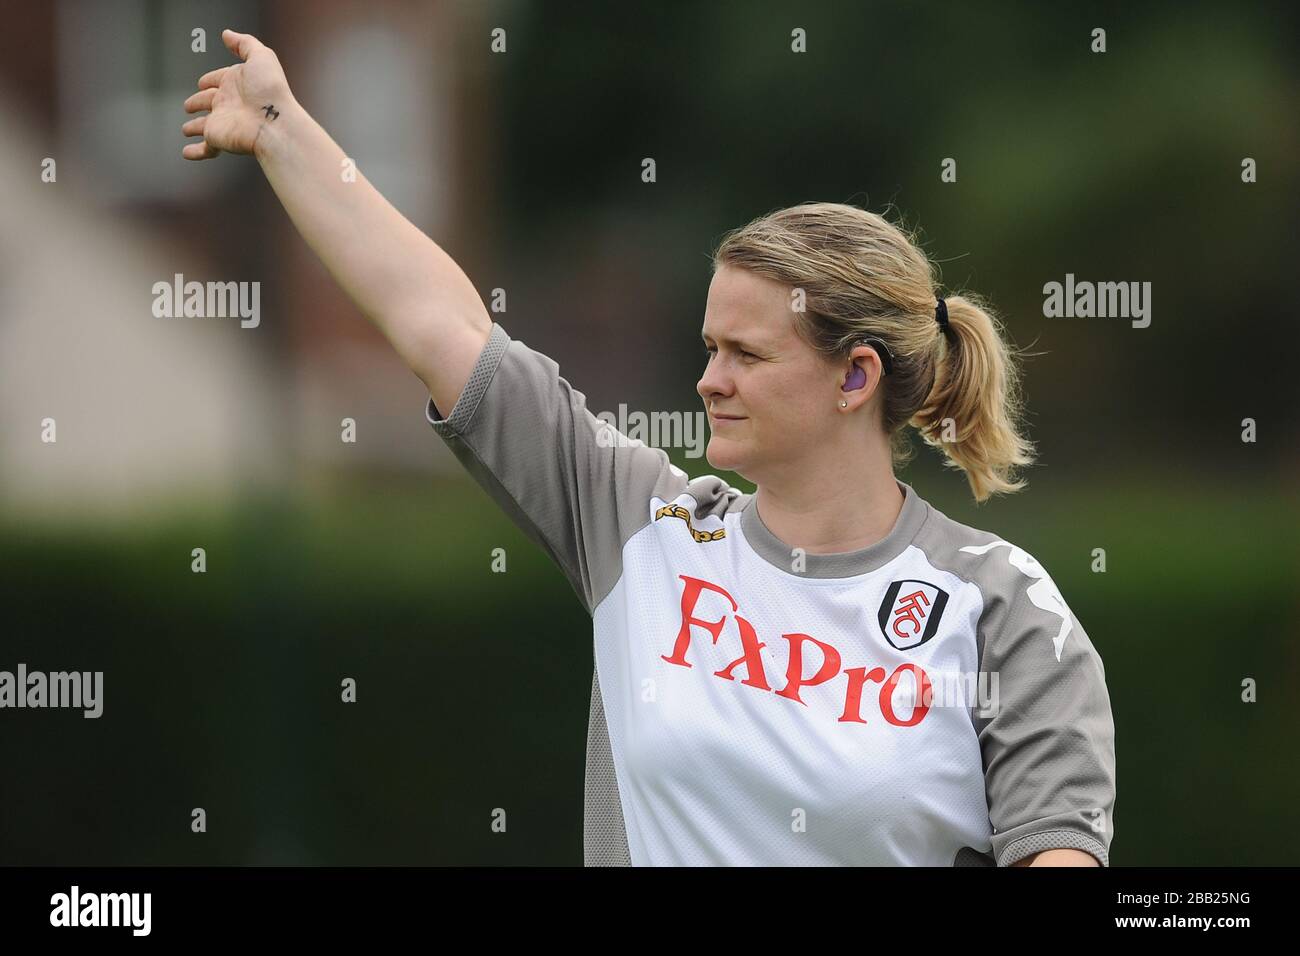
716, 380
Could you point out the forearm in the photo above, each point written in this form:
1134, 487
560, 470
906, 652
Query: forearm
398, 277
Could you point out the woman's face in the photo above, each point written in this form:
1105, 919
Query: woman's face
781, 391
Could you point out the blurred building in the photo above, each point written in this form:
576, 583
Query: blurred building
147, 408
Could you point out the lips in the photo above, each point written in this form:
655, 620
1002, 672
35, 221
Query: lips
727, 418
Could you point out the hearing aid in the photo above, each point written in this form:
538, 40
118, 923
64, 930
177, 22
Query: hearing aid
857, 379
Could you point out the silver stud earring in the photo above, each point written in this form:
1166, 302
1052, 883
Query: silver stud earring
844, 404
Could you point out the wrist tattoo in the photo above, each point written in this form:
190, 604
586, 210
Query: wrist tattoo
270, 111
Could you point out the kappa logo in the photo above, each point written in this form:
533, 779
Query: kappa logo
1043, 592
677, 511
910, 613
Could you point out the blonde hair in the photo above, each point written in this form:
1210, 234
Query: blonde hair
863, 276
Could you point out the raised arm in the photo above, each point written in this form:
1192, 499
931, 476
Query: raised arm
398, 277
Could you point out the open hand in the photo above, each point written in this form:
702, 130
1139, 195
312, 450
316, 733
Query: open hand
240, 98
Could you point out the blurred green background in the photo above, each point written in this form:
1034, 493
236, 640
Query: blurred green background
373, 561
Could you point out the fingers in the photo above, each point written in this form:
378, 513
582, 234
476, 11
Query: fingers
212, 78
202, 150
202, 100
240, 44
199, 151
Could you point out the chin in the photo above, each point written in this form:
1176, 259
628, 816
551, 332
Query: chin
724, 455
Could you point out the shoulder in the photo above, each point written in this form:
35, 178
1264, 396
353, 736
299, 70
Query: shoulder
983, 557
714, 497
1018, 592
703, 502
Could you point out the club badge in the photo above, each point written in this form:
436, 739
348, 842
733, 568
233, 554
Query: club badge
909, 615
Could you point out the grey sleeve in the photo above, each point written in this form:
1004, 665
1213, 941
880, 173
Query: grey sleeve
1048, 738
571, 482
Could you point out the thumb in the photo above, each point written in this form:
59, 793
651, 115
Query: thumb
241, 44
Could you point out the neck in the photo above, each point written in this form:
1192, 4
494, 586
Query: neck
844, 506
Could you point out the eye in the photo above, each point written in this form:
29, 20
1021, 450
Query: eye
709, 350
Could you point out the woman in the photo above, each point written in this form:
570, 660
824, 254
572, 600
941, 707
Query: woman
828, 671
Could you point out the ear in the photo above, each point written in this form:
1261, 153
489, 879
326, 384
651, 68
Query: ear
871, 359
861, 378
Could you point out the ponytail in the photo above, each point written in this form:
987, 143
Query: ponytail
970, 413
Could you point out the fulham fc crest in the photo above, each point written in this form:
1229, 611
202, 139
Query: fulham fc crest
909, 615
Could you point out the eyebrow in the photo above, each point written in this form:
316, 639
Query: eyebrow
738, 343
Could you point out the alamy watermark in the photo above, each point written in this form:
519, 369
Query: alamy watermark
970, 690
1103, 300
222, 300
76, 689
659, 429
75, 908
